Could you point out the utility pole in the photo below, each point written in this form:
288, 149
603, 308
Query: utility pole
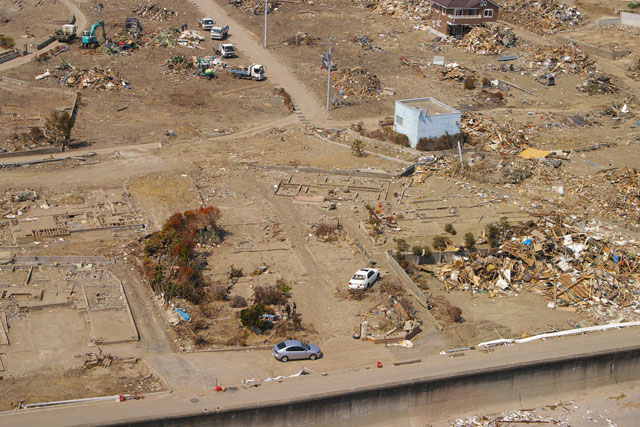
329, 65
266, 6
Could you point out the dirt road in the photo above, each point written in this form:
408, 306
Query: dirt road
81, 23
246, 41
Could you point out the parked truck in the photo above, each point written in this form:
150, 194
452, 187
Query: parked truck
225, 50
253, 72
219, 33
206, 23
66, 34
133, 26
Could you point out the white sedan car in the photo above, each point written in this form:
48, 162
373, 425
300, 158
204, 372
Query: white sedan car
363, 278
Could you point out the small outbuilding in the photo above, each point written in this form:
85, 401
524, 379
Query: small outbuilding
425, 118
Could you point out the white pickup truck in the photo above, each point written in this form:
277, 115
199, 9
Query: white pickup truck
225, 50
219, 33
206, 23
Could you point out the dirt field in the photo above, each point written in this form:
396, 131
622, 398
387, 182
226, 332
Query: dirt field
149, 142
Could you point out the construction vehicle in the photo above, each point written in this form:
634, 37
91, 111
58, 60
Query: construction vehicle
89, 38
206, 23
219, 33
205, 67
225, 50
133, 27
66, 34
253, 72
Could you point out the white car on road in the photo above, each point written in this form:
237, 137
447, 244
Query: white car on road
364, 278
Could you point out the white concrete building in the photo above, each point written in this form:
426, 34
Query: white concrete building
425, 118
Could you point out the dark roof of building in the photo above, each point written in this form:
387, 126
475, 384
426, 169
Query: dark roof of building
463, 4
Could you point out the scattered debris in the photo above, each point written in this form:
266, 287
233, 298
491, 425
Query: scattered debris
96, 78
366, 44
598, 85
154, 12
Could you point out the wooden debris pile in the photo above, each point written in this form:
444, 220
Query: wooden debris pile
600, 84
540, 16
455, 71
357, 81
501, 138
417, 10
301, 39
96, 78
571, 264
621, 200
154, 12
488, 40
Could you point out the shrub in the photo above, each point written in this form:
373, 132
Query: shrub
219, 291
455, 313
356, 148
58, 126
327, 232
469, 240
238, 301
444, 142
417, 250
493, 234
449, 229
470, 83
440, 243
486, 82
250, 317
6, 42
401, 245
268, 295
282, 286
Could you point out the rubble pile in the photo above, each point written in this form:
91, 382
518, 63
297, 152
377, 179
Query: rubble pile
256, 6
567, 58
540, 16
301, 39
187, 66
190, 38
574, 264
357, 81
96, 78
418, 10
488, 40
455, 71
599, 84
154, 12
505, 139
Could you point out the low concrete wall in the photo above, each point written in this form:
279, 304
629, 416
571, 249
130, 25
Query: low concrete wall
631, 19
596, 50
46, 43
32, 152
433, 398
608, 21
62, 260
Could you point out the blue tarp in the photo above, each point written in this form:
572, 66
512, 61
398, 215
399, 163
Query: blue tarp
183, 315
